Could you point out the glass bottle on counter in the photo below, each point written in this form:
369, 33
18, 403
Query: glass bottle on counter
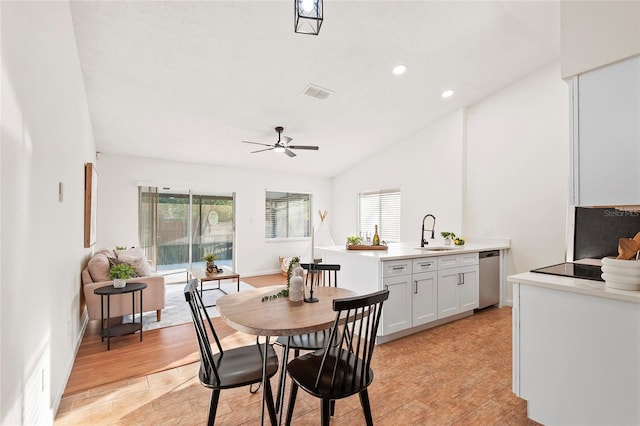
376, 237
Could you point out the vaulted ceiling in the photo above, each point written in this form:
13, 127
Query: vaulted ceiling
187, 80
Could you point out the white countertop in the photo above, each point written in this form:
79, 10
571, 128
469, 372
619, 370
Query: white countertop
575, 285
413, 250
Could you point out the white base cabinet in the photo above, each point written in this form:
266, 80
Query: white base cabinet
428, 289
396, 315
425, 298
576, 357
457, 285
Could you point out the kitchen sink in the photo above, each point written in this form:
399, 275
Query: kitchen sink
432, 248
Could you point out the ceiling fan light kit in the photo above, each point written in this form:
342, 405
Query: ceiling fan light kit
307, 16
282, 145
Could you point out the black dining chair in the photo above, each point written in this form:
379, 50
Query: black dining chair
230, 368
343, 367
318, 274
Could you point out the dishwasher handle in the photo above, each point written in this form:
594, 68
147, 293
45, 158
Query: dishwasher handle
486, 254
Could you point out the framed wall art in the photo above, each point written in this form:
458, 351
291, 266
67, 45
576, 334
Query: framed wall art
90, 204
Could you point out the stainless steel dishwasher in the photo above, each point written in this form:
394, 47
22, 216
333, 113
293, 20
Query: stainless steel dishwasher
489, 278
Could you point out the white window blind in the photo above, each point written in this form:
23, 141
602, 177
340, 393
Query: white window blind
380, 208
287, 215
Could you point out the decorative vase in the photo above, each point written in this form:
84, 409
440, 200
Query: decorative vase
447, 241
211, 267
119, 283
296, 285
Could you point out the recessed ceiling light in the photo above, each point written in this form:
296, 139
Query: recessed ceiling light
447, 93
399, 69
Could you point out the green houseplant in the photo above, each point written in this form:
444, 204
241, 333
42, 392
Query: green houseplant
121, 272
448, 236
352, 240
210, 258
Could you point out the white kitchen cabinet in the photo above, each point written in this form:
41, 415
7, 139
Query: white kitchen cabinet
413, 290
396, 277
425, 298
396, 314
457, 285
606, 135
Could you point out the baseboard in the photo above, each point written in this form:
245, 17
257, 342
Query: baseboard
84, 321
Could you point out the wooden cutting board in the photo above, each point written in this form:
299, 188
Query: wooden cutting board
628, 247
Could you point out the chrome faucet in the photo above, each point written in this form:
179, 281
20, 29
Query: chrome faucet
422, 240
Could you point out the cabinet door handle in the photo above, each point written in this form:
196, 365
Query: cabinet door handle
462, 275
398, 268
415, 287
425, 265
459, 279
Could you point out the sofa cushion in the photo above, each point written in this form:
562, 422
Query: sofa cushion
98, 267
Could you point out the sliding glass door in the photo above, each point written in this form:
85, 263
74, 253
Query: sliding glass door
178, 227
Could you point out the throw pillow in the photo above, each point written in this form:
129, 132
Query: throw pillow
98, 267
140, 263
133, 251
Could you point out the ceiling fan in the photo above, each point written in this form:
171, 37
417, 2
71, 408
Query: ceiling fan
282, 145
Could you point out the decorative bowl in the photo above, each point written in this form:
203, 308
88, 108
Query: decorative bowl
621, 274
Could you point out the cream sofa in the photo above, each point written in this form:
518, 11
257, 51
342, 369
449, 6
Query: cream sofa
96, 274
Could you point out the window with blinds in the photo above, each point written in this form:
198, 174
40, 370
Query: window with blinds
380, 208
287, 215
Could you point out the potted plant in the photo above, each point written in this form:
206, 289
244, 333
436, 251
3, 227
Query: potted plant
448, 236
120, 273
353, 241
210, 258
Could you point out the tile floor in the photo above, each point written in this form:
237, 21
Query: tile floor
455, 374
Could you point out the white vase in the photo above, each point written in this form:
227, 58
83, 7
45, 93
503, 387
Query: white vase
296, 285
119, 283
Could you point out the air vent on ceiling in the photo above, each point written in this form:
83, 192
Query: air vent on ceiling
317, 92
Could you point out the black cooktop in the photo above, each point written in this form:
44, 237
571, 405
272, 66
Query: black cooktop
587, 272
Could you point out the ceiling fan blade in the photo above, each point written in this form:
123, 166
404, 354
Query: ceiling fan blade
289, 153
257, 143
261, 150
314, 148
286, 139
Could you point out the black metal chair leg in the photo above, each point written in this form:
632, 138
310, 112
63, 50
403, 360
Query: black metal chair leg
292, 401
270, 406
333, 407
326, 412
366, 407
213, 407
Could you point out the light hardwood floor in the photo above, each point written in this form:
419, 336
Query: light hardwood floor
458, 373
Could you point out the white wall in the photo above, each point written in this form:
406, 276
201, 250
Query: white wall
597, 33
517, 173
46, 139
427, 167
502, 165
118, 179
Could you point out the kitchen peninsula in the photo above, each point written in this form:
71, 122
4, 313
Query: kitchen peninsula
576, 350
427, 286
